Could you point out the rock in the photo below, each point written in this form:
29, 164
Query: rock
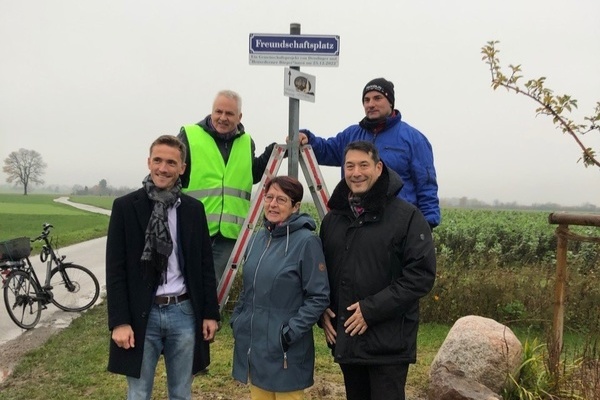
449, 383
484, 350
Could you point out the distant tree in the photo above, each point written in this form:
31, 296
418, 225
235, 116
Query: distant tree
554, 106
77, 189
24, 167
103, 187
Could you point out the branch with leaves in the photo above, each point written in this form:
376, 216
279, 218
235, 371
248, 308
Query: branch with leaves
552, 105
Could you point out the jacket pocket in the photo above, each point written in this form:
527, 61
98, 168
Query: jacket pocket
386, 338
241, 324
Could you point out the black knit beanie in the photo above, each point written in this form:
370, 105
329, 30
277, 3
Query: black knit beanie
382, 86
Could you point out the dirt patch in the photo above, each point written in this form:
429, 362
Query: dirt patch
12, 351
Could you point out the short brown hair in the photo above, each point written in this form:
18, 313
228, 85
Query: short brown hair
171, 141
290, 186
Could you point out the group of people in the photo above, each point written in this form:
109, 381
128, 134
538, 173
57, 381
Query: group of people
360, 279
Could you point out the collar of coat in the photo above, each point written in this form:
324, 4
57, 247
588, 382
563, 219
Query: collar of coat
385, 188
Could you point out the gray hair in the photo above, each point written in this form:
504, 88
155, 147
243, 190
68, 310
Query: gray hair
230, 94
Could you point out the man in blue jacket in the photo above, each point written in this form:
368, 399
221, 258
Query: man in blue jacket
401, 147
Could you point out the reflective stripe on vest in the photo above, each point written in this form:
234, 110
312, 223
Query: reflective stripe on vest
224, 190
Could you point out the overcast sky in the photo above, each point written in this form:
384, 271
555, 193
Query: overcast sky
89, 84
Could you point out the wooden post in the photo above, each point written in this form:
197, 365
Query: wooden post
559, 298
563, 220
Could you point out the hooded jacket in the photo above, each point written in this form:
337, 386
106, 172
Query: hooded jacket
401, 147
285, 291
385, 260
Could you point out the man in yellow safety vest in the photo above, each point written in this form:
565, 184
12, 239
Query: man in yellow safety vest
221, 169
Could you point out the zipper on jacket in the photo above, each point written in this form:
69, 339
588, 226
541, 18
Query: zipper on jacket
281, 345
254, 296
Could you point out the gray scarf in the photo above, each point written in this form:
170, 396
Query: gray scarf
158, 245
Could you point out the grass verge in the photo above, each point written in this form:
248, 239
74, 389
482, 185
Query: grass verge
72, 364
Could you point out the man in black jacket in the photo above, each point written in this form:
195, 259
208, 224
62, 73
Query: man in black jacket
160, 281
380, 260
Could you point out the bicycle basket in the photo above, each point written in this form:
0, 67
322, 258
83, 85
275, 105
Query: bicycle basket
15, 249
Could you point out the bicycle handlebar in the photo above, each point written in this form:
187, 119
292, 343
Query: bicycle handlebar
45, 231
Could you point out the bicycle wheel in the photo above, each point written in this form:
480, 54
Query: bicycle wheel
22, 299
74, 288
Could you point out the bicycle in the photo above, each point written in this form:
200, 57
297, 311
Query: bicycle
25, 296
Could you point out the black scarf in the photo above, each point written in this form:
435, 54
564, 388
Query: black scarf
356, 204
159, 244
376, 125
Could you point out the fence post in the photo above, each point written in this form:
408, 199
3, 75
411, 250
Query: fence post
562, 232
559, 298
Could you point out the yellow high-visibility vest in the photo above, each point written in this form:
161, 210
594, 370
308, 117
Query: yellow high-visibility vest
223, 189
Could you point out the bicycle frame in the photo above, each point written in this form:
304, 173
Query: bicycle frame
45, 290
49, 255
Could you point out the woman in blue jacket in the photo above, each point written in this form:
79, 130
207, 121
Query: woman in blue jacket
285, 291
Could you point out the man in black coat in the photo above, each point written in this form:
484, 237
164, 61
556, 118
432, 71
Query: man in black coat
160, 279
380, 260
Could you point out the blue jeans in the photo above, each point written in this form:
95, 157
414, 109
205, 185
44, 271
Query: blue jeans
221, 248
171, 330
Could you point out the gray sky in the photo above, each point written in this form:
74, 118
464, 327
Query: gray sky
89, 84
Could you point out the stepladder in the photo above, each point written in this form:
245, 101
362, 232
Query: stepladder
317, 189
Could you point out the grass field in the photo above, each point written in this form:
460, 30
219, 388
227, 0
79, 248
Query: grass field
24, 215
72, 365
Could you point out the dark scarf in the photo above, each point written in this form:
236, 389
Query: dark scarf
356, 204
376, 125
372, 201
159, 244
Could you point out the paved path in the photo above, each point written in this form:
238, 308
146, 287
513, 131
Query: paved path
85, 207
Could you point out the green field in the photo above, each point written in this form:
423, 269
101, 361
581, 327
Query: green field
24, 215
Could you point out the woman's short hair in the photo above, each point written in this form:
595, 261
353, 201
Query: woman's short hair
290, 186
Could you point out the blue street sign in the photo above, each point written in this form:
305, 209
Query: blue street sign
294, 50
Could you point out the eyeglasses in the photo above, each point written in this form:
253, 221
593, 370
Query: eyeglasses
279, 199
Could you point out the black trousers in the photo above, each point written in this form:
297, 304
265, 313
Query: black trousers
374, 382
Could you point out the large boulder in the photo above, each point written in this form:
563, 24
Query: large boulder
450, 383
484, 350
